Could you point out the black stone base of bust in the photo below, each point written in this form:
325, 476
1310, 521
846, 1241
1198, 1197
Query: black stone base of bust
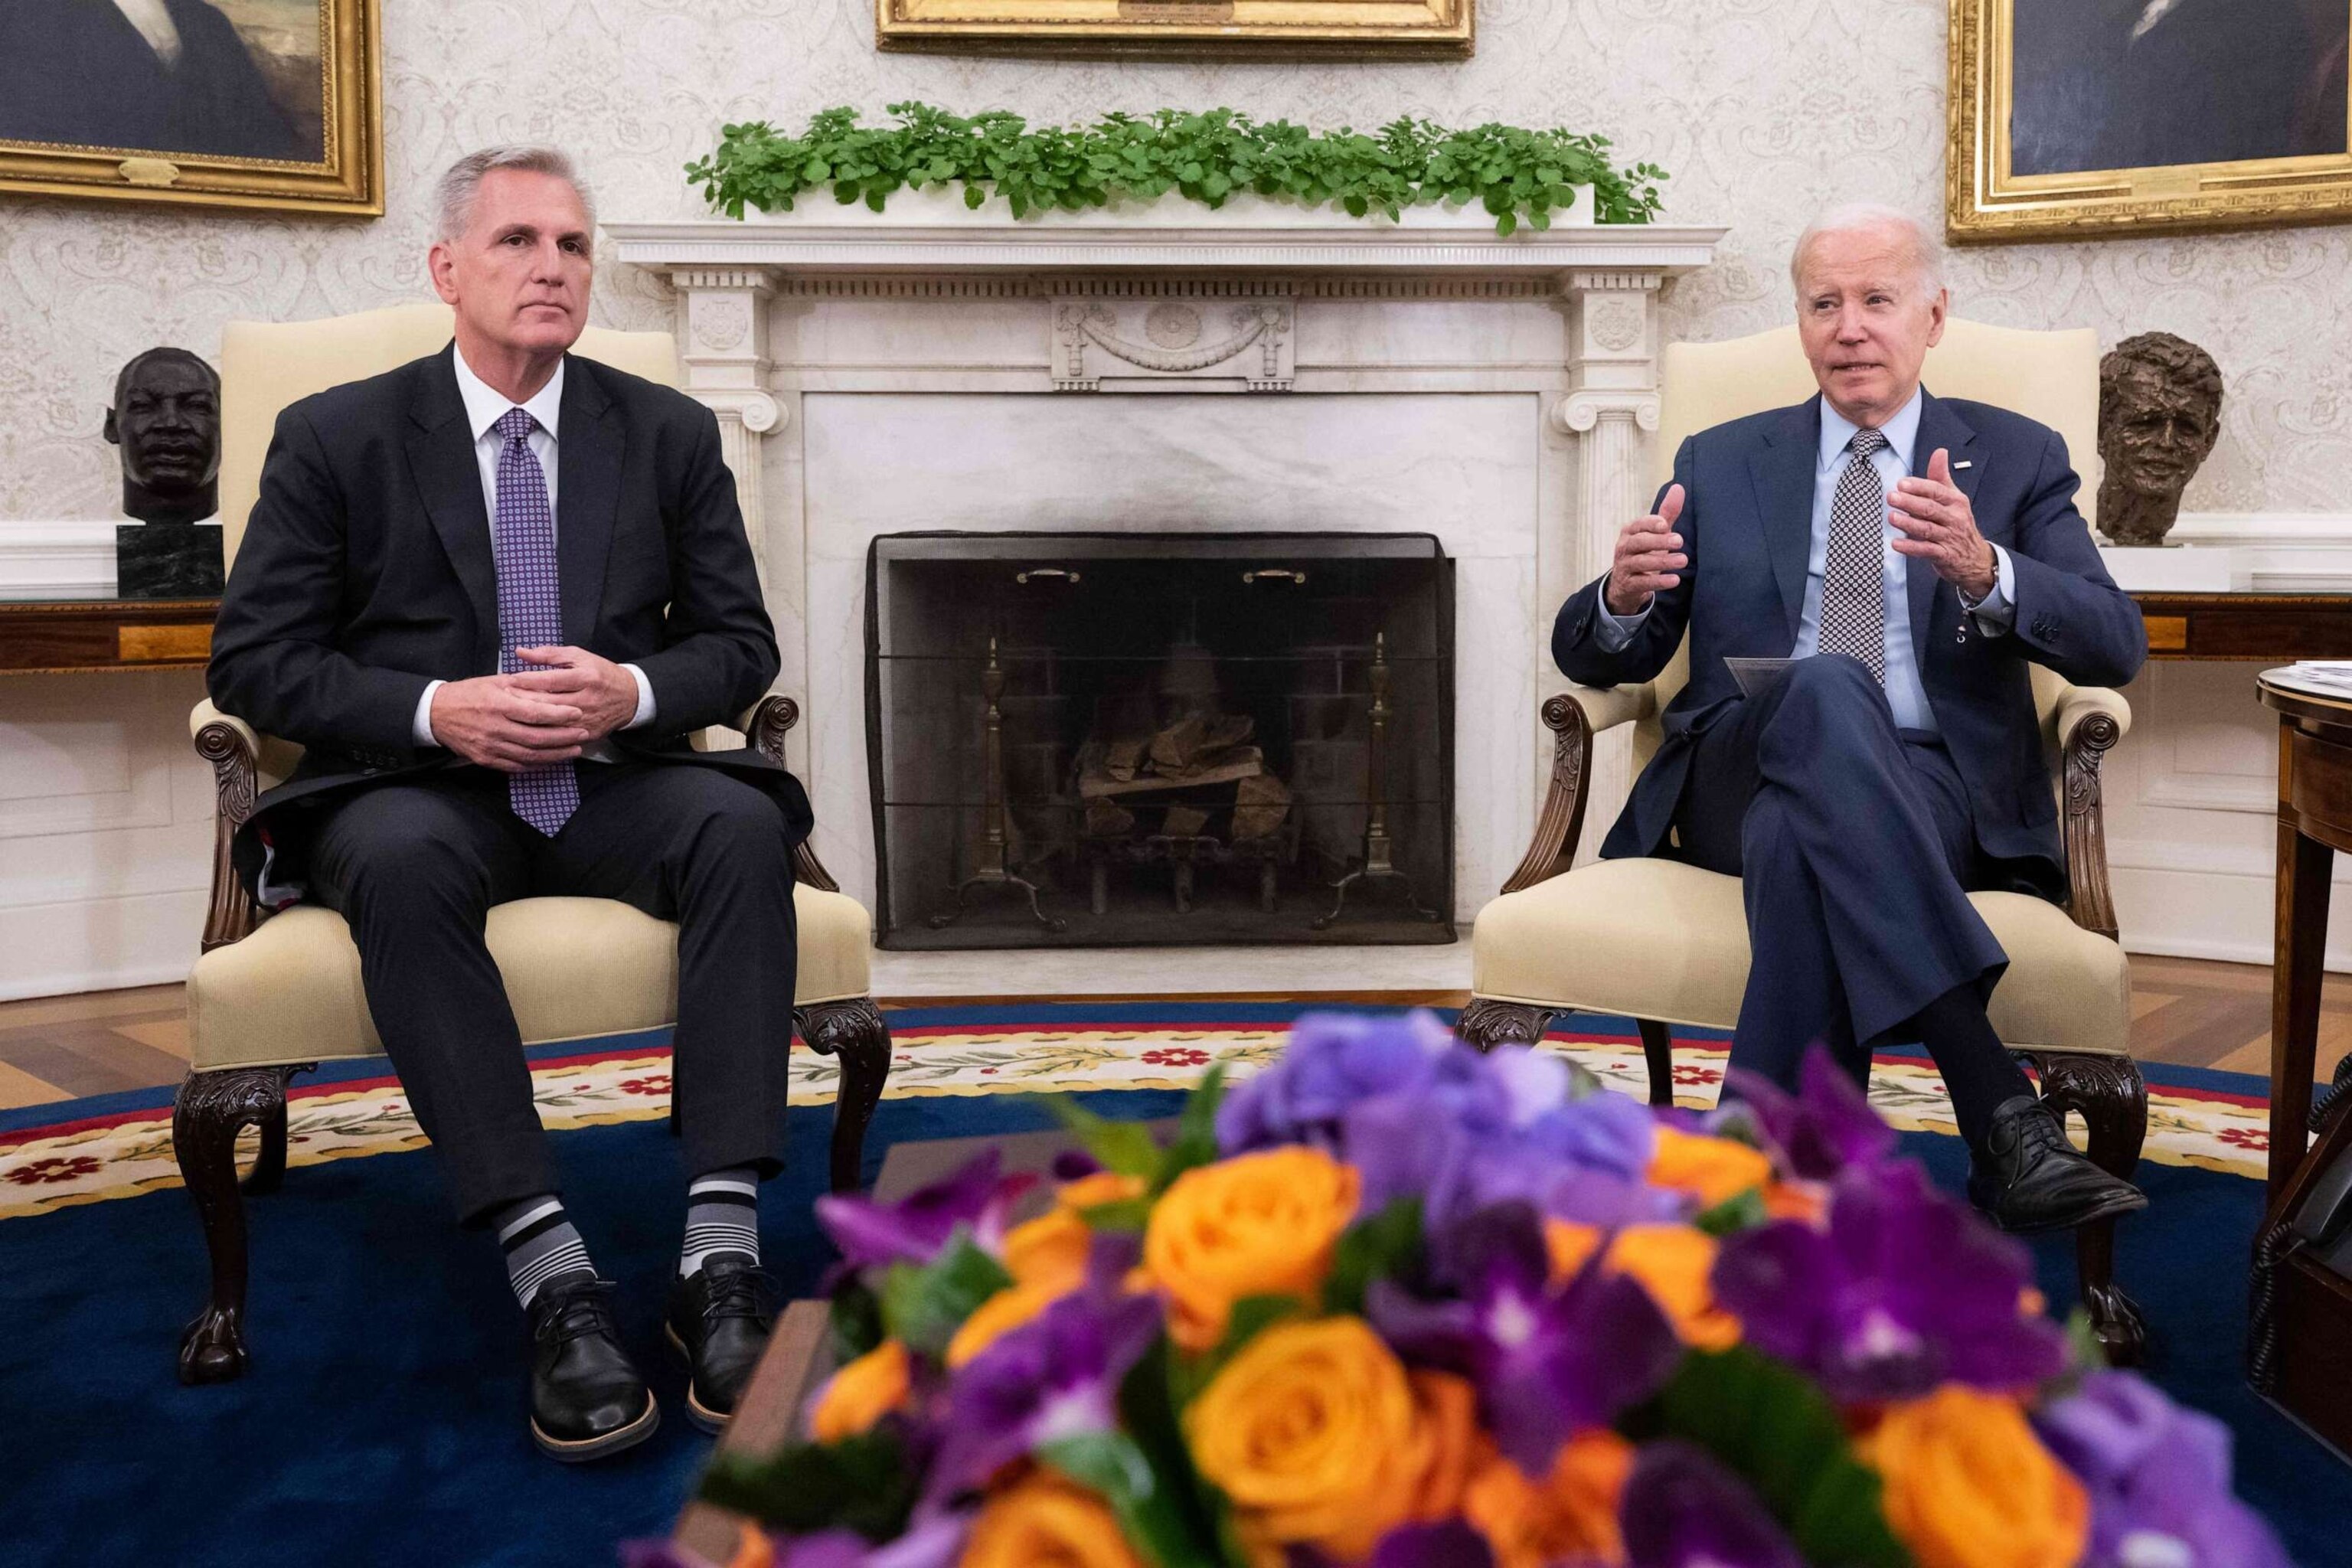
167, 560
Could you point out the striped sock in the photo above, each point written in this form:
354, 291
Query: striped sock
722, 1215
540, 1244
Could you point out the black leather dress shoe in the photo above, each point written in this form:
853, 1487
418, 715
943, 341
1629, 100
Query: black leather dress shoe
719, 1318
586, 1398
2028, 1178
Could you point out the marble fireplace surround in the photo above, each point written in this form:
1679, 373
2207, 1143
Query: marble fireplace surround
1266, 369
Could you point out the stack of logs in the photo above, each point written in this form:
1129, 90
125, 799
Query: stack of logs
1125, 778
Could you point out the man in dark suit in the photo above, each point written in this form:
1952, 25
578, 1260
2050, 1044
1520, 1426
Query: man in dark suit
492, 592
1916, 555
157, 76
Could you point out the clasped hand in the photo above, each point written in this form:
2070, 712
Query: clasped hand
1933, 517
534, 717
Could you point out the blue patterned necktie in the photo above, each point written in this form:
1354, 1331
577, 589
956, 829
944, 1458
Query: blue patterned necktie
1853, 568
531, 607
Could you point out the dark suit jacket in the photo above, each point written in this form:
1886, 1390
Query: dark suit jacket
76, 72
1747, 526
365, 573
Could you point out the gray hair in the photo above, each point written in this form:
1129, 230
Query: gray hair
462, 181
1857, 216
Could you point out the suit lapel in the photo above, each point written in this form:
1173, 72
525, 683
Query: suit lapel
449, 478
1939, 425
588, 451
1782, 470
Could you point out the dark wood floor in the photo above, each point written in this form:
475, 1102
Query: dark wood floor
2184, 1012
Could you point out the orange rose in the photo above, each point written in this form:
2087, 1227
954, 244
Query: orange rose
1970, 1485
1102, 1187
1713, 1170
1448, 1407
1000, 1315
1313, 1431
1675, 1263
861, 1394
753, 1549
1260, 1225
1043, 1521
1571, 1514
1049, 1250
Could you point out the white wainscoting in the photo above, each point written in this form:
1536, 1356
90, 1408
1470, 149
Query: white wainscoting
56, 559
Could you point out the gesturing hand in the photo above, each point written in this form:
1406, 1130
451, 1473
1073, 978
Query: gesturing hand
1939, 526
1649, 558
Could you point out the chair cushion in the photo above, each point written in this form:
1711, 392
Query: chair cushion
1657, 938
573, 967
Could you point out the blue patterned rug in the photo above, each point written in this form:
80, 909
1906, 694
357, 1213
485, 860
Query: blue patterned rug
383, 1419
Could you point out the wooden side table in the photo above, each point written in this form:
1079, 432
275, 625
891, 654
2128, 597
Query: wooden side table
2299, 1345
65, 636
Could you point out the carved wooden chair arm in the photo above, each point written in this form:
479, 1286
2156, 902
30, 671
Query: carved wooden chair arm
234, 750
1574, 717
2087, 722
766, 724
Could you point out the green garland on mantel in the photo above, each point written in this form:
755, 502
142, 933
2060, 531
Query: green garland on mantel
1519, 175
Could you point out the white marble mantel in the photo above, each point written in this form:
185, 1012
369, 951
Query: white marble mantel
928, 367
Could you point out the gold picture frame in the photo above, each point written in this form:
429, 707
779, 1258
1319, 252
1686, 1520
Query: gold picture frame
2086, 119
1182, 29
237, 98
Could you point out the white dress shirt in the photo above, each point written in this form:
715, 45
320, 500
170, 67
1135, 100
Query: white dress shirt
154, 20
485, 406
1905, 694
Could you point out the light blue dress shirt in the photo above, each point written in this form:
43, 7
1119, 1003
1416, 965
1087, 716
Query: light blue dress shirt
1894, 462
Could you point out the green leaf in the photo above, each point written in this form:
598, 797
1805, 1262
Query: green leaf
1773, 1427
1126, 1147
855, 1321
1151, 1517
923, 1306
862, 1483
1128, 1214
1745, 1211
1148, 1410
1385, 1245
1196, 1129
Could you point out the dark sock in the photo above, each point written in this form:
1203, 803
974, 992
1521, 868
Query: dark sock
540, 1245
1976, 1067
722, 1215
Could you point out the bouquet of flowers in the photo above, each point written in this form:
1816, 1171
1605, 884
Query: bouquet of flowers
1395, 1302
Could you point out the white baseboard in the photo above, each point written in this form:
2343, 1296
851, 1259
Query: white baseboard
56, 559
103, 944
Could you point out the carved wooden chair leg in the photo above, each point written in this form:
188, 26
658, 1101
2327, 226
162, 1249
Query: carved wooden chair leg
1658, 1052
855, 1036
268, 1171
2111, 1096
1487, 1023
213, 1107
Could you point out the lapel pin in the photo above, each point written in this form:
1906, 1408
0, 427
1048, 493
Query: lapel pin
1958, 467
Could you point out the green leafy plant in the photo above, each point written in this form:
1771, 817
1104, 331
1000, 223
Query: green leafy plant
1517, 175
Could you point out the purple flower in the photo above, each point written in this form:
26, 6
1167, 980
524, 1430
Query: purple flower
1682, 1509
1452, 1544
2159, 1476
1906, 1291
1333, 1060
825, 1549
1055, 1377
916, 1229
1549, 1362
1823, 1128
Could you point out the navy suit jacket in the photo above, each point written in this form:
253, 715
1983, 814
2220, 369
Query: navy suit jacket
1747, 526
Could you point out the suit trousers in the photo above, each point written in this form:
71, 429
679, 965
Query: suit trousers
415, 867
1856, 849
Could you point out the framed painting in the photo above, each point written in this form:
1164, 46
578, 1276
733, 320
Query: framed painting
1181, 29
226, 103
2084, 118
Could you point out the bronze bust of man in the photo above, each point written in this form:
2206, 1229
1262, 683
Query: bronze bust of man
2159, 415
166, 420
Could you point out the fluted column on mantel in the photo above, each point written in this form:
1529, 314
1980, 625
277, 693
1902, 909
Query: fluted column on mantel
722, 341
1612, 406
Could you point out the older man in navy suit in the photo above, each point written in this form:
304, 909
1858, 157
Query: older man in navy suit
1914, 555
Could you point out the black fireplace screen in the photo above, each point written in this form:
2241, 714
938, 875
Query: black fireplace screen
1108, 739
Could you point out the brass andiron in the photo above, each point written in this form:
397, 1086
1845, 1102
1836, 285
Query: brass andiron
992, 872
1379, 864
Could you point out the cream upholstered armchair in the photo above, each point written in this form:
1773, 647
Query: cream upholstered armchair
272, 995
1667, 942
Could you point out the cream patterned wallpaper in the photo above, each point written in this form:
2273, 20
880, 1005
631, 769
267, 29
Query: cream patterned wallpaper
1764, 110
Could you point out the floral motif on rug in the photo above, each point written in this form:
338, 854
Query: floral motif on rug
121, 1156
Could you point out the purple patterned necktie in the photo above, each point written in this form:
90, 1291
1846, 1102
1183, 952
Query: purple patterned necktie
531, 609
1853, 568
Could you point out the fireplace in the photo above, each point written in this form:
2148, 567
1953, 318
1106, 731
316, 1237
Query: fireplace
1156, 739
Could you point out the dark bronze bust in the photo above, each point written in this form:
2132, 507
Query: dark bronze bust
2159, 415
166, 419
